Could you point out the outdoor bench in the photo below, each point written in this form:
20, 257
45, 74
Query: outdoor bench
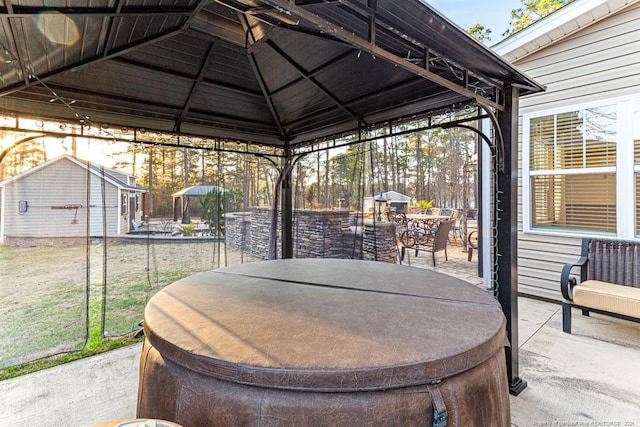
609, 281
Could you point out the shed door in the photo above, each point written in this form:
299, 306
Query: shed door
132, 211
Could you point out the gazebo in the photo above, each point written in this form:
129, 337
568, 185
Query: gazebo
181, 199
282, 77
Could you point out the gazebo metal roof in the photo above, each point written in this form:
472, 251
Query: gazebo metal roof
197, 190
274, 72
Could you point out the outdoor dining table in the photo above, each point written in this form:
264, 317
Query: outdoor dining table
323, 342
426, 217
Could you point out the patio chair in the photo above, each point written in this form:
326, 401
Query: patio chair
472, 242
436, 244
458, 229
446, 212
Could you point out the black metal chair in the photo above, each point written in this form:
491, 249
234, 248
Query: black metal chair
458, 229
472, 243
436, 244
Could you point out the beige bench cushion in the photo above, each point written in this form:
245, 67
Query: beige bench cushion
609, 297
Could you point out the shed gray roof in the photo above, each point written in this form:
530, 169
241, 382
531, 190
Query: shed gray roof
393, 196
110, 175
275, 72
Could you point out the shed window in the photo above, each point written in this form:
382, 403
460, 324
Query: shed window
572, 170
23, 206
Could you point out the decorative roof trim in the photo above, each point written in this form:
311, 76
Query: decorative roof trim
565, 21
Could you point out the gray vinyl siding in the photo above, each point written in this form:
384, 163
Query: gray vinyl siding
598, 63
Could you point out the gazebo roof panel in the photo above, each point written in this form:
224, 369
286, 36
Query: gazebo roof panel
180, 55
217, 100
293, 108
230, 67
152, 86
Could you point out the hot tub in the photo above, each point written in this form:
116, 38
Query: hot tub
310, 342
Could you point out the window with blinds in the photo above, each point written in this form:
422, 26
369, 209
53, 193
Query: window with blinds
572, 161
580, 202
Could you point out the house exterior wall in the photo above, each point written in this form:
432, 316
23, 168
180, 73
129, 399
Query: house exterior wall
599, 63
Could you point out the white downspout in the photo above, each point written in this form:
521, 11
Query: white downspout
2, 214
487, 193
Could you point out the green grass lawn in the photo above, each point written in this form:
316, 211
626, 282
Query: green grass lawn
52, 298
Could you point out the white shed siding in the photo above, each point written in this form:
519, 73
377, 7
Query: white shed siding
597, 63
47, 191
98, 208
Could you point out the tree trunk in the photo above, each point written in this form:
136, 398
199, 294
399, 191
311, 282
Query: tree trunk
149, 208
326, 179
246, 183
385, 164
186, 215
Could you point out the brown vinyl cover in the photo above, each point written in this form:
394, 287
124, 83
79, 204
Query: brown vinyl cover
325, 325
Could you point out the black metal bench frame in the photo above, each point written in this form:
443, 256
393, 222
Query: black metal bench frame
567, 282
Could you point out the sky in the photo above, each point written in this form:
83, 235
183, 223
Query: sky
492, 14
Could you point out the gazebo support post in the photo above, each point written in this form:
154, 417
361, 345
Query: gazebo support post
479, 204
507, 230
287, 218
186, 214
286, 208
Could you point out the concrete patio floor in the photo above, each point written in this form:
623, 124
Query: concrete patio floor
588, 378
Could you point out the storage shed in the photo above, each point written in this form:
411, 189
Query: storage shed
66, 198
393, 198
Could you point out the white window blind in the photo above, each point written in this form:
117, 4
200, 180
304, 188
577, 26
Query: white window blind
573, 170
